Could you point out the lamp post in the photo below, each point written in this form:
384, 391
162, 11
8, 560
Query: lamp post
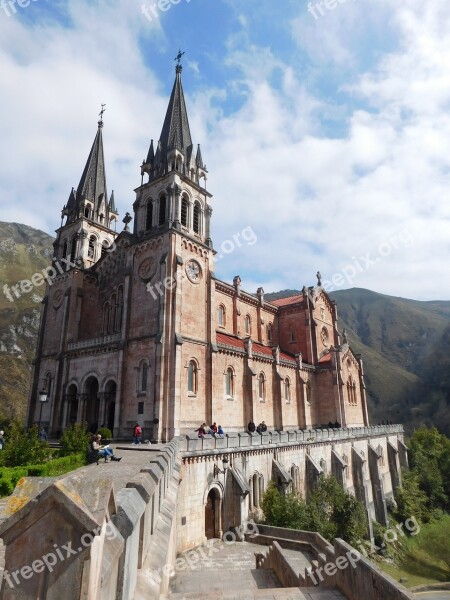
216, 470
42, 401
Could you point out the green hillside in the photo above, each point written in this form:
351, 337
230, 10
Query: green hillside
24, 251
402, 343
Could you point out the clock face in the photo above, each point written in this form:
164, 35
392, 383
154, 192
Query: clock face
324, 336
58, 298
193, 271
147, 269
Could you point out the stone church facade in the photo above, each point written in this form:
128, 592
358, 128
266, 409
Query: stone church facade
136, 327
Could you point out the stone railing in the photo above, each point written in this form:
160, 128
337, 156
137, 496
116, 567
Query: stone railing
75, 537
192, 442
101, 341
336, 565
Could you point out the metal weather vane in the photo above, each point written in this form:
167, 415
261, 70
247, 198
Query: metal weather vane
100, 114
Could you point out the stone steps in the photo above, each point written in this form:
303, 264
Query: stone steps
272, 594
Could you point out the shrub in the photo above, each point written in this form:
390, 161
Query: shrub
411, 499
74, 439
22, 447
105, 433
331, 511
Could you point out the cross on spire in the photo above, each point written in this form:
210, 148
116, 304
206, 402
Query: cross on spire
179, 56
100, 114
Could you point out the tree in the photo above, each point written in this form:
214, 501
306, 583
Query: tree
331, 511
75, 439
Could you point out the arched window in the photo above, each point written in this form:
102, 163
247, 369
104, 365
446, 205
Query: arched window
102, 218
192, 377
308, 392
119, 312
91, 249
149, 216
144, 377
162, 210
229, 382
73, 249
87, 211
64, 252
184, 211
113, 313
248, 325
293, 336
196, 218
105, 317
221, 316
269, 332
287, 390
262, 387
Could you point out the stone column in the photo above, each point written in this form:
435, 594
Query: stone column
208, 214
176, 206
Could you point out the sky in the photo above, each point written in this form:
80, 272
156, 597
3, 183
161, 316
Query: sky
324, 125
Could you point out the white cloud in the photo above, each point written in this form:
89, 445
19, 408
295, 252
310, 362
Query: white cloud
314, 201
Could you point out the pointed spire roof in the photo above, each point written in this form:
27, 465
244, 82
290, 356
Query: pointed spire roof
112, 204
198, 158
175, 132
92, 185
151, 153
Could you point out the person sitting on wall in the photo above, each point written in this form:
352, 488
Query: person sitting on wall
213, 428
251, 426
263, 427
105, 451
220, 430
201, 430
337, 425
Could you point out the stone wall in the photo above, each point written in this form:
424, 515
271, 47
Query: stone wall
73, 537
293, 459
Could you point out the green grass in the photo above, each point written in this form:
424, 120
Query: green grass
425, 558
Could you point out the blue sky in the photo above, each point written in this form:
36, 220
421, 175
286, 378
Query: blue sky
327, 135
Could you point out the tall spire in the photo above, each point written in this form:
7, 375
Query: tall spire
175, 134
90, 199
92, 184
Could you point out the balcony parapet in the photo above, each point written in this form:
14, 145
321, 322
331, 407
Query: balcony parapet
95, 343
247, 441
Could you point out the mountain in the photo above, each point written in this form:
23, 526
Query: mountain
403, 345
24, 251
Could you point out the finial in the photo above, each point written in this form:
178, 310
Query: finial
178, 58
319, 278
100, 114
127, 220
344, 336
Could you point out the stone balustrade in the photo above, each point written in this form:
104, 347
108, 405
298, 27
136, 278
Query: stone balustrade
192, 443
119, 541
96, 342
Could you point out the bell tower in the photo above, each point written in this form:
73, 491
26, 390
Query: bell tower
88, 218
173, 194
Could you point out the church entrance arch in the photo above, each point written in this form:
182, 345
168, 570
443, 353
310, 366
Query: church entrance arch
213, 516
110, 404
92, 401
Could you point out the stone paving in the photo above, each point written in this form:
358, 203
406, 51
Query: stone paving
227, 572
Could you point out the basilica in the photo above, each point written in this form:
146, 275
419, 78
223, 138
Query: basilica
137, 328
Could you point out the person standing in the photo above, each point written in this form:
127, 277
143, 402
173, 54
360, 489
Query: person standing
2, 439
137, 434
43, 435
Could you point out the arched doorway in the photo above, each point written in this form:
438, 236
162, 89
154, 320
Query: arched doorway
110, 404
92, 403
213, 528
72, 404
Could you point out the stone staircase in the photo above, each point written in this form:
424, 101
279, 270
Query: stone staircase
272, 594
